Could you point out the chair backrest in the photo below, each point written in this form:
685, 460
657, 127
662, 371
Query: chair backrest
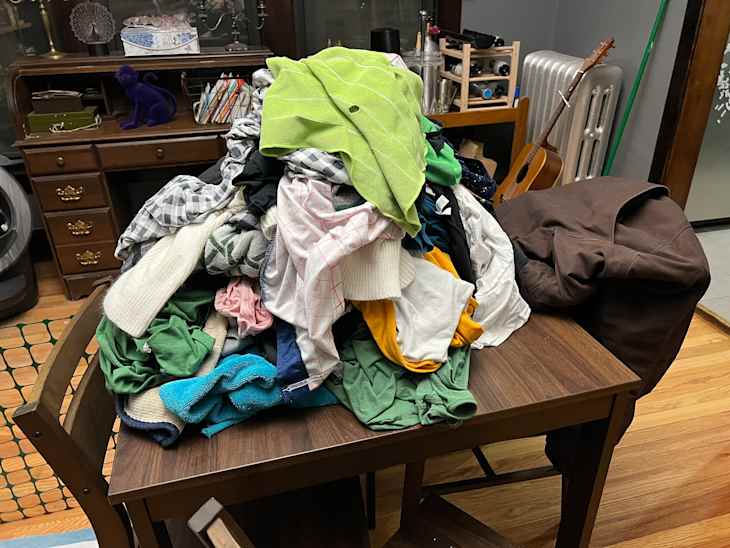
75, 450
216, 528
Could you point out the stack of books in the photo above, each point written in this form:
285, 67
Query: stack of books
223, 102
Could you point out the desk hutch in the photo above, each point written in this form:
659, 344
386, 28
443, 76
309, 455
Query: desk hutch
83, 179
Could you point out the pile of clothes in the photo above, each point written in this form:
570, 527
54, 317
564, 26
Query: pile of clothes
332, 256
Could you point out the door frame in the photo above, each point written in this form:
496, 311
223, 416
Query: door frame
689, 98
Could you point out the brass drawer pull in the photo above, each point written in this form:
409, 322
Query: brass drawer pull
60, 161
160, 153
70, 193
88, 257
80, 228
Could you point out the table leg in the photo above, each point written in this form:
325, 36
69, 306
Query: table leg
584, 485
411, 491
150, 534
370, 499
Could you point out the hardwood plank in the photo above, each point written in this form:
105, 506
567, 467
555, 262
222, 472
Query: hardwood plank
708, 533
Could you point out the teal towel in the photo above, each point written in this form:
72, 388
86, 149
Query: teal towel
354, 103
239, 387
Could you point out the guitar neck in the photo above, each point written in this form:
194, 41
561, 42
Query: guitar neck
542, 140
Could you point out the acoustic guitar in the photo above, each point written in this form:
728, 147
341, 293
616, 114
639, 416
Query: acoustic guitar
538, 166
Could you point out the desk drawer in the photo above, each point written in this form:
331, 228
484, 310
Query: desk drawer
46, 161
160, 152
81, 285
81, 226
87, 257
70, 192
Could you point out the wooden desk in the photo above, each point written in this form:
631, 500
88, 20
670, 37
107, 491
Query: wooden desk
549, 374
80, 177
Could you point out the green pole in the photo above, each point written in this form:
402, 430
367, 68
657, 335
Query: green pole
635, 87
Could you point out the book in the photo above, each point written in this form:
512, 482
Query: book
237, 110
202, 103
244, 103
229, 86
217, 92
225, 111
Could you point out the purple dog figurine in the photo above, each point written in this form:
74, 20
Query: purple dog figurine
153, 105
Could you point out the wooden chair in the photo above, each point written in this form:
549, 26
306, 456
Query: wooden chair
75, 450
216, 528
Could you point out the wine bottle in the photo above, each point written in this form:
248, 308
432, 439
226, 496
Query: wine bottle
500, 68
481, 90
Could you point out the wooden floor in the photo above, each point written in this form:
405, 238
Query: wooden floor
668, 486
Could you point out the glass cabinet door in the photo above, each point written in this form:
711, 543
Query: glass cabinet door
708, 204
709, 197
21, 33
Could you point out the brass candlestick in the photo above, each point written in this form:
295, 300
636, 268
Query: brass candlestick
53, 53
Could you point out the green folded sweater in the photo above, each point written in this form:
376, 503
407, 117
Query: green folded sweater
385, 396
174, 345
352, 102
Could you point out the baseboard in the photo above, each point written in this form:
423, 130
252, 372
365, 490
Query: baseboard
714, 318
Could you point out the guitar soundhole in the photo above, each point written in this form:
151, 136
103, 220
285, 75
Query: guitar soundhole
522, 173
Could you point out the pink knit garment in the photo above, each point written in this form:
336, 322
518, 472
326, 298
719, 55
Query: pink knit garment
239, 301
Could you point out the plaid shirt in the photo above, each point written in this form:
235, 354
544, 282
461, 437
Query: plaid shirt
186, 199
316, 164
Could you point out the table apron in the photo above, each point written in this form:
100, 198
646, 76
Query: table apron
240, 486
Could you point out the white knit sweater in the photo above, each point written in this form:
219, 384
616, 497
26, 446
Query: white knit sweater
139, 294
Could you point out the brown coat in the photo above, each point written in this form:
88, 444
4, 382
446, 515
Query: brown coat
617, 254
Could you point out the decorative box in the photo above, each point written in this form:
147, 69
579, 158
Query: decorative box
54, 101
146, 40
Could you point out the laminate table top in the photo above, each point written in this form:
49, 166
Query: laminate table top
534, 381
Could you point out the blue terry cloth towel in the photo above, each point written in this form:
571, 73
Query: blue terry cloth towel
239, 387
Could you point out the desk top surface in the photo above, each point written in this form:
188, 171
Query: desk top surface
550, 360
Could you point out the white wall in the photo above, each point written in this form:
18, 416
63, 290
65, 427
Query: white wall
575, 27
532, 22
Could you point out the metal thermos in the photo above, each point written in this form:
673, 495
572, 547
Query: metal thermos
426, 62
385, 39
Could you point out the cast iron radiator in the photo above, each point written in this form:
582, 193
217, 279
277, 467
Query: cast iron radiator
584, 129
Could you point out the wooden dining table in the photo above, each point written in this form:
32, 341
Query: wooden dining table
549, 374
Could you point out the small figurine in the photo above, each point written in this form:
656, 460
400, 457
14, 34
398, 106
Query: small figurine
152, 104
